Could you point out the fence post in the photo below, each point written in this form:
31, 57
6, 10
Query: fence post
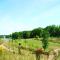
38, 56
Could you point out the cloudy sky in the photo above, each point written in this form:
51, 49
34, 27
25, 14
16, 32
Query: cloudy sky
19, 15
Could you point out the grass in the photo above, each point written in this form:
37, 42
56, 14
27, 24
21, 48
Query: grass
33, 43
26, 55
10, 56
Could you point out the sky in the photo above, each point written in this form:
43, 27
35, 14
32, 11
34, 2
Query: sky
20, 15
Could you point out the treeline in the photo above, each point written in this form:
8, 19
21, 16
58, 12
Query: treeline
53, 30
7, 36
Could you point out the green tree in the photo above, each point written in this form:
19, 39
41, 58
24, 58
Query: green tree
36, 32
26, 34
45, 39
53, 30
15, 35
8, 36
20, 35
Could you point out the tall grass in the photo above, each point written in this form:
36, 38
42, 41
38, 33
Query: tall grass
26, 55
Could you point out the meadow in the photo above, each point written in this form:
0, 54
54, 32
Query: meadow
26, 54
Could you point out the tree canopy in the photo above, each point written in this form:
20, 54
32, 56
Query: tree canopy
54, 31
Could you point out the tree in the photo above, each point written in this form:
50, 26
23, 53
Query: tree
20, 35
26, 34
58, 31
36, 32
53, 30
1, 36
8, 36
45, 39
15, 35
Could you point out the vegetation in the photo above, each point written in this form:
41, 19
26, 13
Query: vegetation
36, 38
15, 35
26, 54
45, 39
54, 31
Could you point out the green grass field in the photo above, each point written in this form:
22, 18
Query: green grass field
26, 55
33, 43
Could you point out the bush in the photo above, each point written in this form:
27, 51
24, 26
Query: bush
45, 39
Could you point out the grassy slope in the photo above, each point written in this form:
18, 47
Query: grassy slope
26, 54
33, 43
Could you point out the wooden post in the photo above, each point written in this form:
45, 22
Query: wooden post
37, 56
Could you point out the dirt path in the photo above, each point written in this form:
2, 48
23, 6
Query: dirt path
4, 47
54, 54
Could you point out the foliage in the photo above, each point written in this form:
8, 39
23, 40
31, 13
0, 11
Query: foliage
37, 37
25, 34
36, 32
15, 35
26, 55
54, 31
45, 39
1, 36
8, 36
